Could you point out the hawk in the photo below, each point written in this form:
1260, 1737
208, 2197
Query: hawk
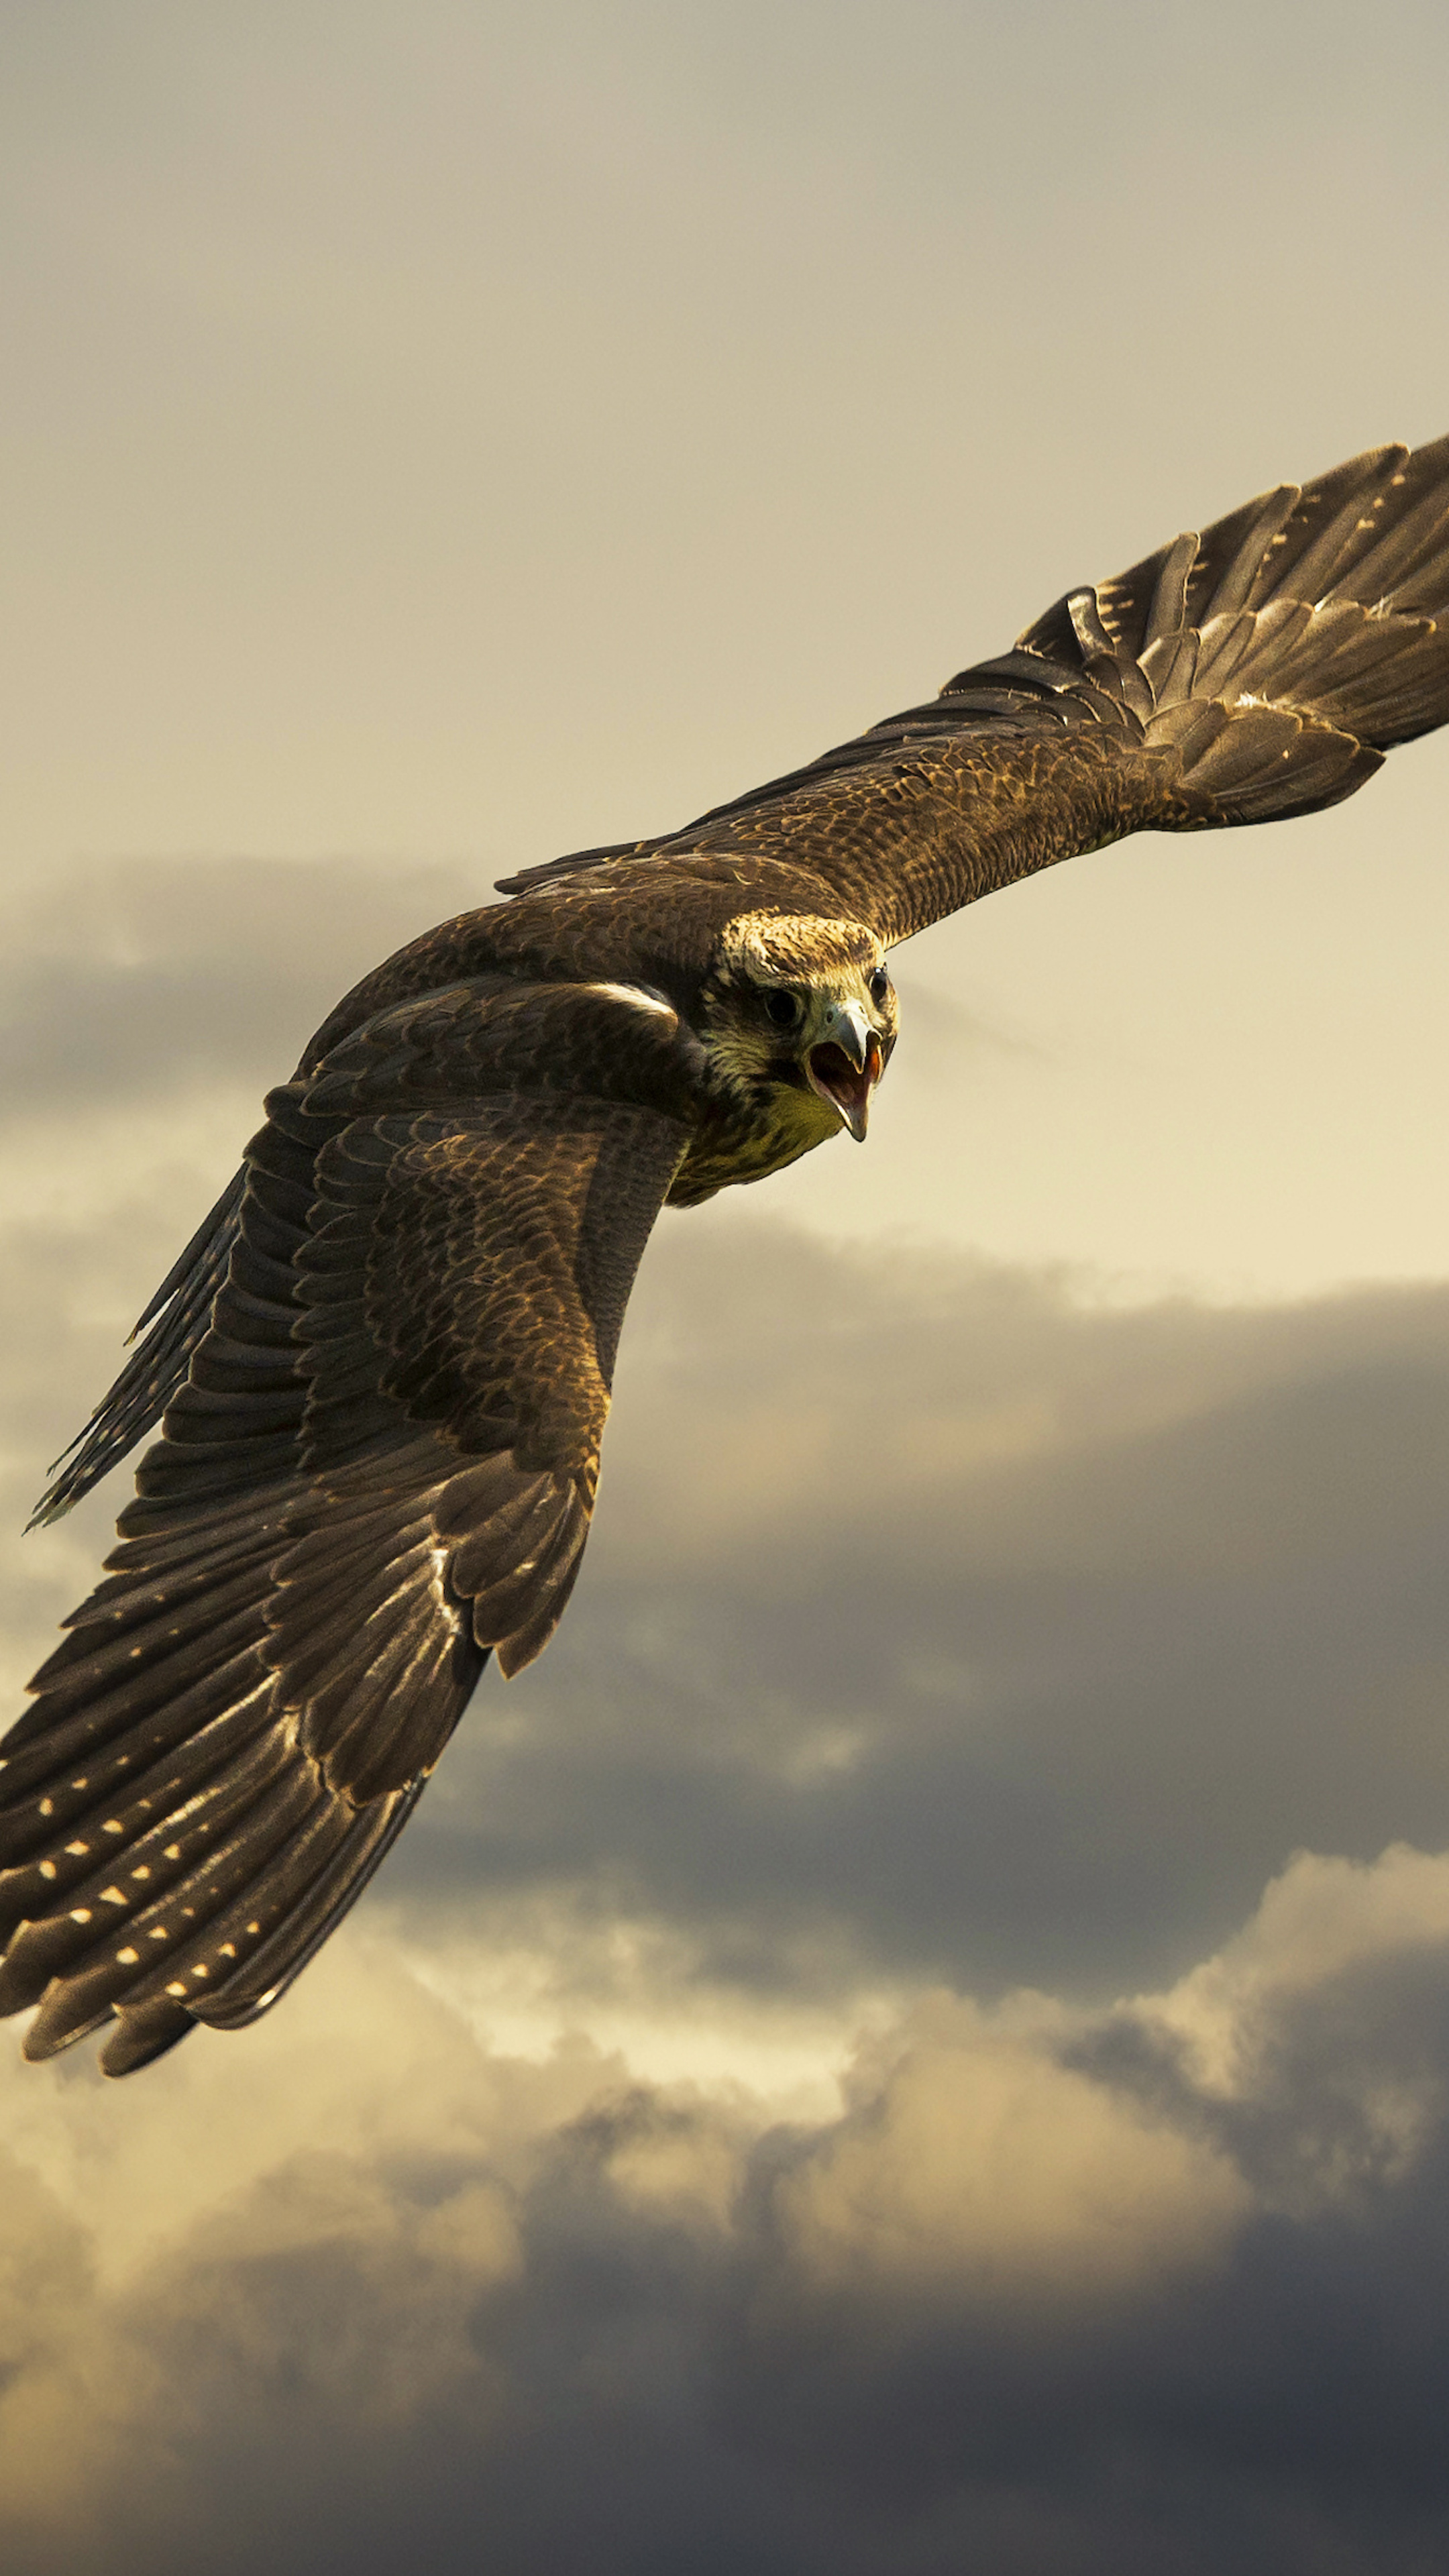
381, 1367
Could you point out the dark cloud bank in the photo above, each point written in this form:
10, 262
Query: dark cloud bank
942, 1642
137, 980
1037, 2303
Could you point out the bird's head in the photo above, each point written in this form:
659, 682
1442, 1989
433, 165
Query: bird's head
798, 1019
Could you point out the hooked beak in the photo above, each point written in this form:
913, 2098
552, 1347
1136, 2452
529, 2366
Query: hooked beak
846, 1064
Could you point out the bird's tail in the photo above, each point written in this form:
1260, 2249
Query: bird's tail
1272, 661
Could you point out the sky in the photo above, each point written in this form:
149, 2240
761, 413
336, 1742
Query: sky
916, 2036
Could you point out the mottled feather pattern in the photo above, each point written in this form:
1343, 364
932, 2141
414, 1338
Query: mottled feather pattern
384, 1359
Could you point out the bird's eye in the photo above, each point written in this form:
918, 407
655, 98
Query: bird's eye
880, 984
783, 1007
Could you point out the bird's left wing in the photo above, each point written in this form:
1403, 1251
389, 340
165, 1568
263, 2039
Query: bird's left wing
380, 1468
1257, 671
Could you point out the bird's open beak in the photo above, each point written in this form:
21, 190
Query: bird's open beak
846, 1065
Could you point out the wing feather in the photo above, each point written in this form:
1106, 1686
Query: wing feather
177, 1317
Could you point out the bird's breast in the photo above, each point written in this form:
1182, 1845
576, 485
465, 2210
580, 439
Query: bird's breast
739, 1145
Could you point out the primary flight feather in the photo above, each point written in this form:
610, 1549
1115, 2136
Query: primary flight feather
382, 1366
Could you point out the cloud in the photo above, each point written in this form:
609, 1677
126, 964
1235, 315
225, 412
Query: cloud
154, 977
981, 2170
1005, 2305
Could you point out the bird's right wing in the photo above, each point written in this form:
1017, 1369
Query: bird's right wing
381, 1467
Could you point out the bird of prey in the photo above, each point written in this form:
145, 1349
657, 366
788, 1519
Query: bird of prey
382, 1365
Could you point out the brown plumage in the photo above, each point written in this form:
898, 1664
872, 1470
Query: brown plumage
382, 1366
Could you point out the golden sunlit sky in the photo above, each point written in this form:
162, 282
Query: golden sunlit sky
915, 2037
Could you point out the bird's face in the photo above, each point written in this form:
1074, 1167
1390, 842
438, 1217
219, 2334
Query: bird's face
799, 1019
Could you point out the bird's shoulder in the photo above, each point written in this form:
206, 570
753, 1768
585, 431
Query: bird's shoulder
650, 925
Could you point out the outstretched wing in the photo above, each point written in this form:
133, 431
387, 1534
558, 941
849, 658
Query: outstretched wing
380, 1468
1257, 671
